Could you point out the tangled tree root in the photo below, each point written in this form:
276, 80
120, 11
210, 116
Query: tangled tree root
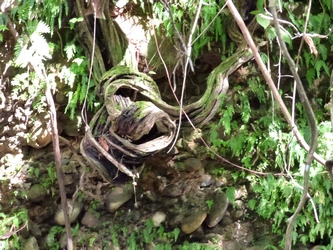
126, 130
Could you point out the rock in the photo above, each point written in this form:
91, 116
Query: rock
40, 132
30, 244
241, 192
173, 190
168, 202
239, 210
39, 214
206, 180
73, 127
73, 211
244, 232
226, 221
193, 221
36, 193
68, 179
176, 221
193, 164
218, 209
151, 195
34, 229
90, 220
233, 245
158, 218
118, 197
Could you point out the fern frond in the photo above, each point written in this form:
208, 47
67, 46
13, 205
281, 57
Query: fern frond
40, 46
42, 28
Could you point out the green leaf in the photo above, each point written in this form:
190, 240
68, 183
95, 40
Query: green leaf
321, 64
263, 20
230, 192
252, 203
322, 51
260, 5
271, 34
286, 37
310, 75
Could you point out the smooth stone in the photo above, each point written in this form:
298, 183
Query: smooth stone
206, 180
193, 222
30, 244
90, 220
217, 210
118, 196
36, 193
73, 212
158, 218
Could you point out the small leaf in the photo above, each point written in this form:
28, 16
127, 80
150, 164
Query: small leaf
252, 203
263, 20
286, 37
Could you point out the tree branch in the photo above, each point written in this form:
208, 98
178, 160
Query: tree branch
269, 80
313, 126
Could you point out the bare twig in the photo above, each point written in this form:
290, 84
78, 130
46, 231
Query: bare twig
57, 156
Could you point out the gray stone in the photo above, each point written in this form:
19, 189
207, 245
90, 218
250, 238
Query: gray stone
90, 220
31, 244
158, 218
36, 193
206, 180
118, 196
193, 221
244, 232
73, 212
218, 209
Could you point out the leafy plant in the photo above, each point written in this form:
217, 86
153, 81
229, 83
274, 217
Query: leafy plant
10, 223
209, 203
